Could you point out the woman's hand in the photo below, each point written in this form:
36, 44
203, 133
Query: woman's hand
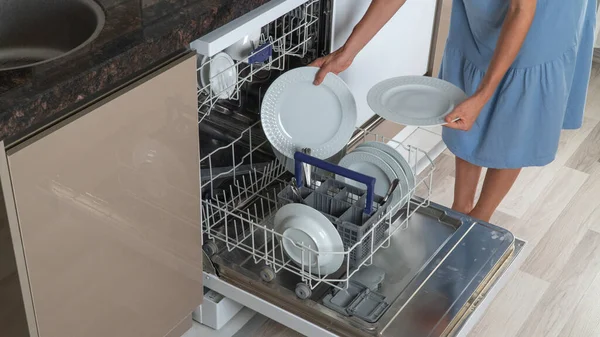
335, 62
465, 114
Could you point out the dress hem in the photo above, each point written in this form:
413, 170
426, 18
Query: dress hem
536, 162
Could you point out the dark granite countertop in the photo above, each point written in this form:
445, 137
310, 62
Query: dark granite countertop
138, 35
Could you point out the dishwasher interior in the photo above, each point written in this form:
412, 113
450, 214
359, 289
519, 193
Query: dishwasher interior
418, 270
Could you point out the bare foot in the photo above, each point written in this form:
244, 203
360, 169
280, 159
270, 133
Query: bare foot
483, 216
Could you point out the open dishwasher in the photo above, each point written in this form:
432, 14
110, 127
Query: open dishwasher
416, 269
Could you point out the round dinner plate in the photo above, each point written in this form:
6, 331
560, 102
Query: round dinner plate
220, 72
373, 166
408, 171
415, 100
301, 223
297, 114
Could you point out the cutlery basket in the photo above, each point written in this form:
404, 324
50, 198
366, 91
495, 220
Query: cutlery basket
344, 205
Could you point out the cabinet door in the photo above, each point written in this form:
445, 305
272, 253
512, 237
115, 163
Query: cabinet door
108, 209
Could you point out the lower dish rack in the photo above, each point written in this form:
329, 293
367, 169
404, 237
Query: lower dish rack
240, 216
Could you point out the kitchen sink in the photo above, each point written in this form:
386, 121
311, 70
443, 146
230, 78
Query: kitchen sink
33, 32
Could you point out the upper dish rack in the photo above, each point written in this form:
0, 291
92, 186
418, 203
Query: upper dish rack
293, 34
240, 217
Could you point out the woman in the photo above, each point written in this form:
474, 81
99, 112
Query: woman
525, 65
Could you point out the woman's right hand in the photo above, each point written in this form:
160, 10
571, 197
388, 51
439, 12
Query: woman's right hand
335, 62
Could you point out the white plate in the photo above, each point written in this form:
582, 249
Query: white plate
372, 166
220, 72
399, 158
403, 186
302, 223
415, 100
296, 114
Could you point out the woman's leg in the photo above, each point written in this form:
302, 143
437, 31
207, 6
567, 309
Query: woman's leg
465, 187
495, 187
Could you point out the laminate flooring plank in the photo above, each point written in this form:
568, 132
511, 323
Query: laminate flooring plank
510, 309
585, 319
593, 98
555, 248
551, 314
587, 156
549, 206
504, 220
273, 329
593, 221
443, 193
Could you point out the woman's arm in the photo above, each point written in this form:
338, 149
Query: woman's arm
514, 31
377, 15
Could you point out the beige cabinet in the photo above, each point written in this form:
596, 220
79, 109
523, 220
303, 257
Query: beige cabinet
108, 213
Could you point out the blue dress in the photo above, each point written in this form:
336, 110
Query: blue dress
542, 93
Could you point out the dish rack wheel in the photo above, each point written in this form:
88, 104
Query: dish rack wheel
267, 274
210, 248
303, 291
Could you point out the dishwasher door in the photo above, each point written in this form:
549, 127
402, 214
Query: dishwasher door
438, 271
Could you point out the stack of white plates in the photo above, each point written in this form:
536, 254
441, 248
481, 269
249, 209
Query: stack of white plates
309, 239
385, 164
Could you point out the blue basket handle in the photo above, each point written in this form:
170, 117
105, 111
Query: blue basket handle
338, 170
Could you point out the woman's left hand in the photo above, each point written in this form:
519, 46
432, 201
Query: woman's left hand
465, 114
